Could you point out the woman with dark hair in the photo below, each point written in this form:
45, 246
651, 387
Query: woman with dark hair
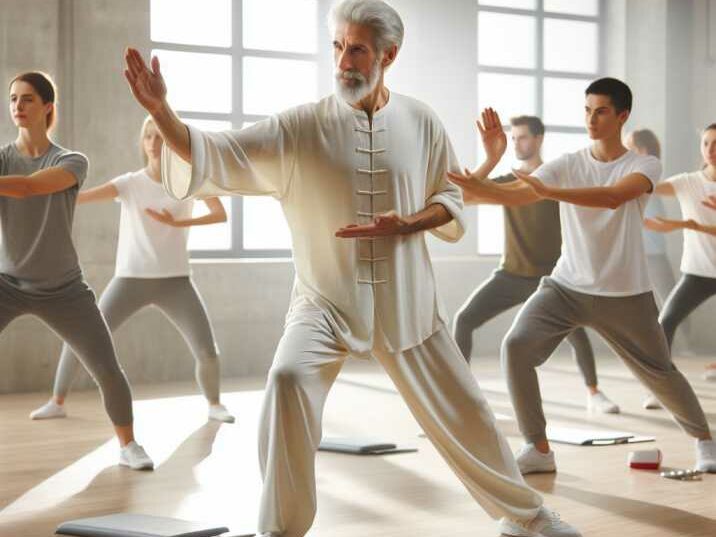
39, 269
698, 263
152, 270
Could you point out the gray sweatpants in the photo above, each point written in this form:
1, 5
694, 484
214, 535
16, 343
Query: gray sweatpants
179, 300
73, 315
630, 326
502, 291
687, 295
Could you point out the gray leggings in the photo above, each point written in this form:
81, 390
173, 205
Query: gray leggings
73, 315
689, 293
501, 292
179, 300
629, 324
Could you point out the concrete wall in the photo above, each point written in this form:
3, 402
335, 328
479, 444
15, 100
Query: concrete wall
82, 41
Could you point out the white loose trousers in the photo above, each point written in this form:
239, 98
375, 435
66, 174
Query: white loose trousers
434, 381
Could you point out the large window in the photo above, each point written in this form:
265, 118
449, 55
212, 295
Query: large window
536, 57
228, 64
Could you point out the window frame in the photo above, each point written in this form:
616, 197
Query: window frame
237, 117
539, 72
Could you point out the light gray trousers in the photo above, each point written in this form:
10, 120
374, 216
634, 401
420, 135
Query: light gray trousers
502, 291
73, 315
630, 326
179, 300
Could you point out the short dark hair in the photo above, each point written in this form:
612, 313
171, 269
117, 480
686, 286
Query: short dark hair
711, 127
617, 91
45, 87
534, 124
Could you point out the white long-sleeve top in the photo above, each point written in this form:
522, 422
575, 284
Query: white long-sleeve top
329, 167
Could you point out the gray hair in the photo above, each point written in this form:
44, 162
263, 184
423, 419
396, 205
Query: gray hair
385, 22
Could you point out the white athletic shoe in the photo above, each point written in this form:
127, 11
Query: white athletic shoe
220, 413
532, 461
710, 374
601, 403
651, 403
546, 524
134, 456
706, 456
49, 410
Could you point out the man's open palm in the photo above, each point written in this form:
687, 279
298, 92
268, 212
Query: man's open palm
147, 85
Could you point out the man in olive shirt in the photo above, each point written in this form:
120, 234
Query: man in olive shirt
533, 243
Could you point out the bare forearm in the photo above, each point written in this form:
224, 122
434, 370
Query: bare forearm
703, 228
201, 220
174, 132
15, 186
485, 169
597, 197
434, 215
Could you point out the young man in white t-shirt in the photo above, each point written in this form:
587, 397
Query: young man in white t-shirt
601, 279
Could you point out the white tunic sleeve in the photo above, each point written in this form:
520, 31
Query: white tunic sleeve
255, 161
442, 191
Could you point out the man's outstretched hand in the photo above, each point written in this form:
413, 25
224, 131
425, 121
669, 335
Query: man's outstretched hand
147, 85
384, 225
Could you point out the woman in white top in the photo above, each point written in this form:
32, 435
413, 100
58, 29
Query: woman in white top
152, 269
698, 262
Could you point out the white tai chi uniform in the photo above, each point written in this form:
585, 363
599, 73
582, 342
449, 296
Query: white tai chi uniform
330, 167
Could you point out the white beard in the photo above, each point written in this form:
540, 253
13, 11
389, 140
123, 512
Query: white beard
353, 94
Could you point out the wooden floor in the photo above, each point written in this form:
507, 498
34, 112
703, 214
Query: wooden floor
64, 469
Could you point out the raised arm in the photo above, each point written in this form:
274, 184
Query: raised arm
626, 189
40, 183
150, 91
103, 192
216, 215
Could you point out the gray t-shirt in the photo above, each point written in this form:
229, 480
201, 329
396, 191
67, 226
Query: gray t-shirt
36, 250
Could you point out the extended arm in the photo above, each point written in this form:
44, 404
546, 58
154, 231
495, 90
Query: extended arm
626, 189
216, 215
40, 183
103, 192
150, 91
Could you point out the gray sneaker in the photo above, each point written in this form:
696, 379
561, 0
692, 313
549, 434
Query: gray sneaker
547, 523
532, 461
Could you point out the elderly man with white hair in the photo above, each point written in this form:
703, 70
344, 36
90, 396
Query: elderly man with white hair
360, 175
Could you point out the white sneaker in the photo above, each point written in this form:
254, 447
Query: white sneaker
49, 410
134, 456
602, 403
706, 456
546, 524
651, 403
220, 413
532, 461
710, 374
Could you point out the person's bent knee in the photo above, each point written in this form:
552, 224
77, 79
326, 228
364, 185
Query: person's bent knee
285, 375
516, 345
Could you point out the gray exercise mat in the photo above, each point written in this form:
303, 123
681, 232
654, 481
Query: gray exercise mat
362, 446
133, 525
593, 437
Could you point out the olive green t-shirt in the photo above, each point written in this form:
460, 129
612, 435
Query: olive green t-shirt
533, 238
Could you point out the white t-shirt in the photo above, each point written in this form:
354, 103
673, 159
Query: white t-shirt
603, 250
699, 257
148, 248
